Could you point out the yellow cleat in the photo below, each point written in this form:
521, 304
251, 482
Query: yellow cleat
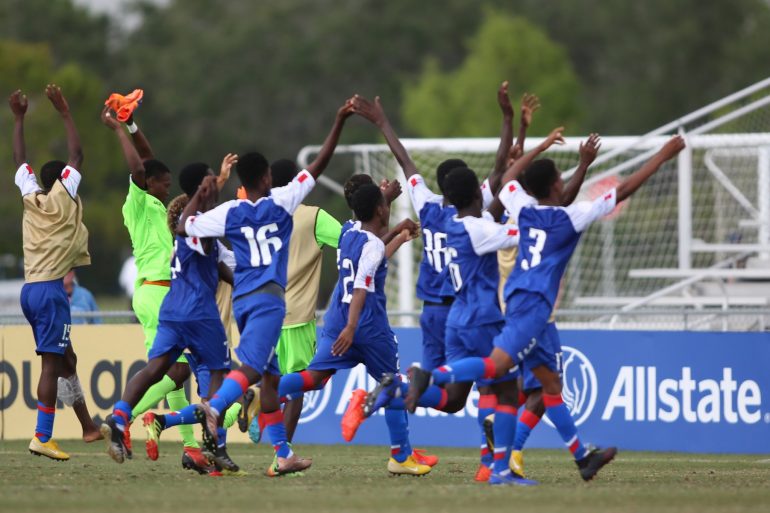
516, 463
408, 467
49, 449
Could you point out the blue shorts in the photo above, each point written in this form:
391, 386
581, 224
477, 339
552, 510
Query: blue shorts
526, 316
433, 324
205, 339
547, 352
379, 355
474, 341
47, 308
202, 374
259, 318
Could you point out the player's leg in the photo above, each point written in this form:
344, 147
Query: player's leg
296, 349
530, 414
71, 393
487, 405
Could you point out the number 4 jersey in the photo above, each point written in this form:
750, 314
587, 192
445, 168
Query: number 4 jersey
548, 237
259, 233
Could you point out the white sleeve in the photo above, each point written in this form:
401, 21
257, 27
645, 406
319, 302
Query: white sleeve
486, 194
514, 198
290, 196
371, 257
226, 256
420, 194
194, 243
26, 180
211, 223
70, 178
488, 236
583, 213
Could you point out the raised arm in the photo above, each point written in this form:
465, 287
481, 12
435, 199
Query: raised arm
375, 114
529, 104
520, 164
587, 152
318, 165
133, 159
75, 150
141, 143
404, 231
638, 177
205, 194
18, 103
506, 137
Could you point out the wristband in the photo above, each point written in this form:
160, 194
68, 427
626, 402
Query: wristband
132, 128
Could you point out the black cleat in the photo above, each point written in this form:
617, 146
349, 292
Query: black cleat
489, 432
382, 395
208, 420
593, 461
115, 438
243, 415
222, 460
419, 381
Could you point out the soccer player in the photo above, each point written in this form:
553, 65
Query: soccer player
144, 216
55, 240
188, 319
356, 328
259, 229
550, 234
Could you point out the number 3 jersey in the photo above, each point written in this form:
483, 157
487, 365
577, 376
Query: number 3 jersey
548, 237
473, 243
362, 265
259, 233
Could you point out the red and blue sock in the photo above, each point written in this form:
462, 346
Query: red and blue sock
467, 369
121, 412
524, 426
233, 387
487, 405
398, 427
505, 429
559, 414
221, 436
277, 432
45, 417
295, 384
433, 397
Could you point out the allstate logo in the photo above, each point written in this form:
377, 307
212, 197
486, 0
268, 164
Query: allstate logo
315, 403
579, 384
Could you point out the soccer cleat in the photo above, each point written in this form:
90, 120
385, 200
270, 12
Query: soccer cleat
424, 459
489, 431
255, 429
223, 461
127, 443
382, 394
49, 449
154, 425
483, 473
193, 459
516, 463
419, 381
510, 478
593, 461
208, 420
252, 406
290, 465
354, 414
115, 438
407, 467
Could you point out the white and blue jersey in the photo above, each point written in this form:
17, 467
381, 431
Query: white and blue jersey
473, 244
549, 236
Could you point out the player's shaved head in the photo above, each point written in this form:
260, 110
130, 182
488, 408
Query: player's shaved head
444, 168
154, 168
192, 175
539, 176
50, 172
461, 187
251, 168
284, 171
353, 184
366, 200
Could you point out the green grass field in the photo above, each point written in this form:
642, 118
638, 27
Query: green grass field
353, 478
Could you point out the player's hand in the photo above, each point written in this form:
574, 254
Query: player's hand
346, 110
343, 342
18, 103
372, 112
672, 148
109, 119
224, 170
53, 92
504, 101
589, 150
390, 190
555, 137
529, 104
409, 229
207, 188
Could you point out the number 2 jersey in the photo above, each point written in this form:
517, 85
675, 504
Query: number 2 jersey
362, 265
259, 233
548, 237
473, 243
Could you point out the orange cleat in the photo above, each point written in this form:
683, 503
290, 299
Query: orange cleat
483, 473
124, 106
354, 414
424, 459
